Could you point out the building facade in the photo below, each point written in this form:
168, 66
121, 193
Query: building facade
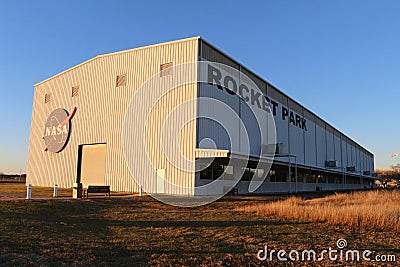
82, 130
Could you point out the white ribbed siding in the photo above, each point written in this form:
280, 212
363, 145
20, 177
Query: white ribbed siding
101, 111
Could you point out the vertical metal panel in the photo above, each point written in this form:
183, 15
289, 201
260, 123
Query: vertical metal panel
100, 115
211, 54
309, 139
362, 160
359, 158
353, 154
262, 85
282, 126
321, 144
277, 95
371, 164
296, 134
254, 119
344, 151
330, 147
337, 146
208, 128
349, 154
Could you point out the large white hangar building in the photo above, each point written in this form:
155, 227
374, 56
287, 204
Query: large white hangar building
87, 127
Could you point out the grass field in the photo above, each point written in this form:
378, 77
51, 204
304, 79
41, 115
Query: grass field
139, 231
373, 209
12, 190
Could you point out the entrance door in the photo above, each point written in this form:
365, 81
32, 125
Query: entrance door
92, 164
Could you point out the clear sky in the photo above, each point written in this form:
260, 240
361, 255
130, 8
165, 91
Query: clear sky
341, 58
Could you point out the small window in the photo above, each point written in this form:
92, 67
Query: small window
75, 91
47, 98
246, 174
206, 173
218, 171
121, 80
165, 69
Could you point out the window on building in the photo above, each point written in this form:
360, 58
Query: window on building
228, 175
331, 178
47, 98
121, 80
75, 91
310, 178
277, 175
206, 173
218, 171
352, 180
366, 181
299, 177
165, 69
321, 179
246, 174
252, 173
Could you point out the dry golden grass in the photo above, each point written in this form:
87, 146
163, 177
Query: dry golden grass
140, 231
368, 210
15, 190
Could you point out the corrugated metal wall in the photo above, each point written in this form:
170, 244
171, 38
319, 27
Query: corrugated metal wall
102, 105
100, 115
321, 142
247, 112
296, 134
320, 134
310, 145
282, 126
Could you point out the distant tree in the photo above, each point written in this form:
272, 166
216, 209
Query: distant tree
396, 167
389, 175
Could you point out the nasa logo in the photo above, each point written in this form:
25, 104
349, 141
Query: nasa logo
57, 130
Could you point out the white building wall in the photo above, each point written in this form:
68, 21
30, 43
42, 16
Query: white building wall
343, 147
309, 139
321, 146
296, 134
330, 145
353, 155
100, 115
338, 147
349, 154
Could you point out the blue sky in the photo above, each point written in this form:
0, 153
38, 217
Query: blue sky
341, 59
